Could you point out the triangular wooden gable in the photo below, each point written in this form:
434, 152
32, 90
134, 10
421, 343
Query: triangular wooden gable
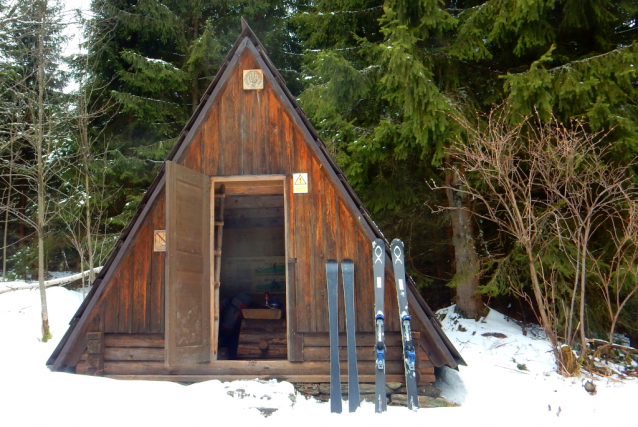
212, 149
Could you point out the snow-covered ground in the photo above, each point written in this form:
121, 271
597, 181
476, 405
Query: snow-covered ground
491, 389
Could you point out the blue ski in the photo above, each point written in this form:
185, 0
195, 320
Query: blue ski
378, 266
332, 277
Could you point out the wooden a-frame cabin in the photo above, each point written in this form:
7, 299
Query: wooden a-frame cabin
229, 218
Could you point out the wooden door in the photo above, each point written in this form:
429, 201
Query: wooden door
188, 275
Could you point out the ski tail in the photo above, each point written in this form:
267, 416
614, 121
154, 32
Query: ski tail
354, 398
332, 278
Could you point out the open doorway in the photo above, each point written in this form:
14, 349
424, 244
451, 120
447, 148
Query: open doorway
252, 270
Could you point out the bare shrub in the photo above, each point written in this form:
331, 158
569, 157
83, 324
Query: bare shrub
547, 183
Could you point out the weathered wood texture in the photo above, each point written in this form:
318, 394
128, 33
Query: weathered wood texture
95, 353
229, 142
235, 369
279, 375
259, 135
150, 348
134, 300
134, 340
316, 347
262, 339
103, 348
188, 272
392, 339
249, 132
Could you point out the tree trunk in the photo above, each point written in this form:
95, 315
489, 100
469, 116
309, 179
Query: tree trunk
82, 269
570, 316
468, 300
46, 334
89, 225
86, 158
6, 220
546, 324
22, 209
583, 284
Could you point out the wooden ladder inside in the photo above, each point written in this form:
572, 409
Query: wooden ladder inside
218, 231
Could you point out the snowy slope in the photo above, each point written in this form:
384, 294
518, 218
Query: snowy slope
491, 390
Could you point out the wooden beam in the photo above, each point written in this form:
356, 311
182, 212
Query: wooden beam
273, 368
318, 339
95, 350
254, 190
295, 339
131, 353
214, 290
252, 351
231, 178
134, 340
363, 353
252, 183
291, 378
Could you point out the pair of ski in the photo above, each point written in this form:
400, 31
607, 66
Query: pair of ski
409, 351
332, 275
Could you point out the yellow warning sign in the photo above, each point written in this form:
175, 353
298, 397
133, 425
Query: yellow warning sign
300, 183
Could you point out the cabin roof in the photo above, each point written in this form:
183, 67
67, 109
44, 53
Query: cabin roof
444, 349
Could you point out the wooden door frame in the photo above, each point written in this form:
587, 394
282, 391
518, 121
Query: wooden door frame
291, 326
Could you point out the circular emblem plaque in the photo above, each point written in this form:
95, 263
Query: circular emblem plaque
253, 79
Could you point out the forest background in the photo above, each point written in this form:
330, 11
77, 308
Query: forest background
405, 93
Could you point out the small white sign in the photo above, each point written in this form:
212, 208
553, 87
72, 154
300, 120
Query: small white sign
299, 182
253, 79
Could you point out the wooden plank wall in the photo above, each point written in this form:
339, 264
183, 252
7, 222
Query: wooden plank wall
134, 302
141, 356
249, 132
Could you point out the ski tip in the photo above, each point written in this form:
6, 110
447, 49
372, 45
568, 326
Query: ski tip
331, 261
397, 242
378, 242
347, 261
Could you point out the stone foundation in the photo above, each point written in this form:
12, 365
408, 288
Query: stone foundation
396, 394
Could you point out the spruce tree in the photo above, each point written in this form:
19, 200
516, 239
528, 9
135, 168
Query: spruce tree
380, 93
384, 78
571, 58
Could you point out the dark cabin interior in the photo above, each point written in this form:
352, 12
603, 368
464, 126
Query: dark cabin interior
252, 291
